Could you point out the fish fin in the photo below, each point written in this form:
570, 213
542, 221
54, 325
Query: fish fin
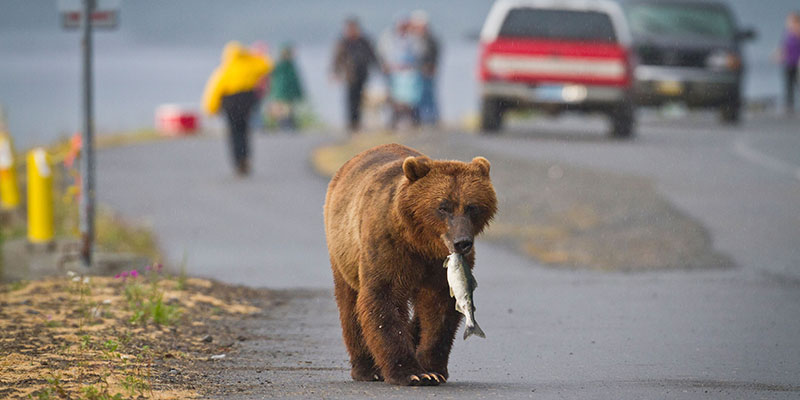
452, 295
473, 283
474, 330
458, 308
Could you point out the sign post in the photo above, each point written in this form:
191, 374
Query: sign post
86, 15
87, 208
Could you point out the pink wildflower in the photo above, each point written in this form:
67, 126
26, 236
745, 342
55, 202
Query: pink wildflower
134, 273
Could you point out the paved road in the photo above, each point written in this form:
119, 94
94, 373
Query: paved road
551, 333
741, 183
262, 231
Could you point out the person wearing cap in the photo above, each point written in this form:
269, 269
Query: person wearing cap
427, 109
352, 59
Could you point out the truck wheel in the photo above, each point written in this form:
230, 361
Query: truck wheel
622, 122
730, 113
491, 116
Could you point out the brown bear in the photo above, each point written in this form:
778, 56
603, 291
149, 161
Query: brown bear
392, 216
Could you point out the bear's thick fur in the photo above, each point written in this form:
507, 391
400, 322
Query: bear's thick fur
392, 216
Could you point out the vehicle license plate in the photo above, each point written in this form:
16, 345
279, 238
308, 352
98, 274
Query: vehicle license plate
670, 88
549, 92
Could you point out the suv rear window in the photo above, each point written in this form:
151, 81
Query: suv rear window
588, 26
665, 19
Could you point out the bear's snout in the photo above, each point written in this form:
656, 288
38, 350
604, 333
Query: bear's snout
463, 245
460, 234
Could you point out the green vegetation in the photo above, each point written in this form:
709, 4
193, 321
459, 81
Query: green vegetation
120, 358
146, 302
112, 233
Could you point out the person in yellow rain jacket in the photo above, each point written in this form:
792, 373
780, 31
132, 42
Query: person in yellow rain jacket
232, 88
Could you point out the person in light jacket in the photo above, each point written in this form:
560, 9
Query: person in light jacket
429, 62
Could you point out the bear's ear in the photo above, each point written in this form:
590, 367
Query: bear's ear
416, 167
483, 164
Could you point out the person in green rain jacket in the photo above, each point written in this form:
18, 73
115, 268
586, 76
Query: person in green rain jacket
286, 91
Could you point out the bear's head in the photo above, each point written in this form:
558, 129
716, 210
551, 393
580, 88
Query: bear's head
446, 203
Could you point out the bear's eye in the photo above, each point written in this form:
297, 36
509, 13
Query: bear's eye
445, 207
471, 209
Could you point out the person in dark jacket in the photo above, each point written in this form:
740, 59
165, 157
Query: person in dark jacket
287, 90
353, 57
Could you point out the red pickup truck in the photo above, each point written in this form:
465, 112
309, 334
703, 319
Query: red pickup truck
554, 56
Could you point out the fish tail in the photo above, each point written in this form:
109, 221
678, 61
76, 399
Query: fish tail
473, 329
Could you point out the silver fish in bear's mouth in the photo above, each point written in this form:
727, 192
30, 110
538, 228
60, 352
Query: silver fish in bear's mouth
462, 283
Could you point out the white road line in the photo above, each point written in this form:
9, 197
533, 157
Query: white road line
744, 150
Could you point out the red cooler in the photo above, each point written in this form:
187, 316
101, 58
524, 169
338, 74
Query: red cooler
175, 120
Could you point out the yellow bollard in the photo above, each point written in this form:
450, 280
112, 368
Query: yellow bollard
40, 197
9, 186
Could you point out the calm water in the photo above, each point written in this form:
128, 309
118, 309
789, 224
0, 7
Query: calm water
163, 52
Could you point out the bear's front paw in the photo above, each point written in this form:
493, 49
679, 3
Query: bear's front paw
440, 368
366, 374
420, 379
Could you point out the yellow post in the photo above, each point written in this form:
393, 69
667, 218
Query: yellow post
40, 197
9, 186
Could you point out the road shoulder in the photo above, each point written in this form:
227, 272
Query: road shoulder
567, 216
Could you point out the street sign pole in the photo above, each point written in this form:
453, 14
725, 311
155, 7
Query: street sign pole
87, 158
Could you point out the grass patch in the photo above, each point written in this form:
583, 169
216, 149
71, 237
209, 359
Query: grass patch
115, 234
146, 303
129, 138
109, 337
18, 285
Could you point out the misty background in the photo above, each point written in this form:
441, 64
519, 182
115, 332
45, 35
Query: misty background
163, 52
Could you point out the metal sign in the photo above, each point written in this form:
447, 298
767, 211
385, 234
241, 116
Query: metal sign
105, 19
105, 14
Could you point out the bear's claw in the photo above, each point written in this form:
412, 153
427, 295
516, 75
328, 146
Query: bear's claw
366, 376
438, 377
425, 379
